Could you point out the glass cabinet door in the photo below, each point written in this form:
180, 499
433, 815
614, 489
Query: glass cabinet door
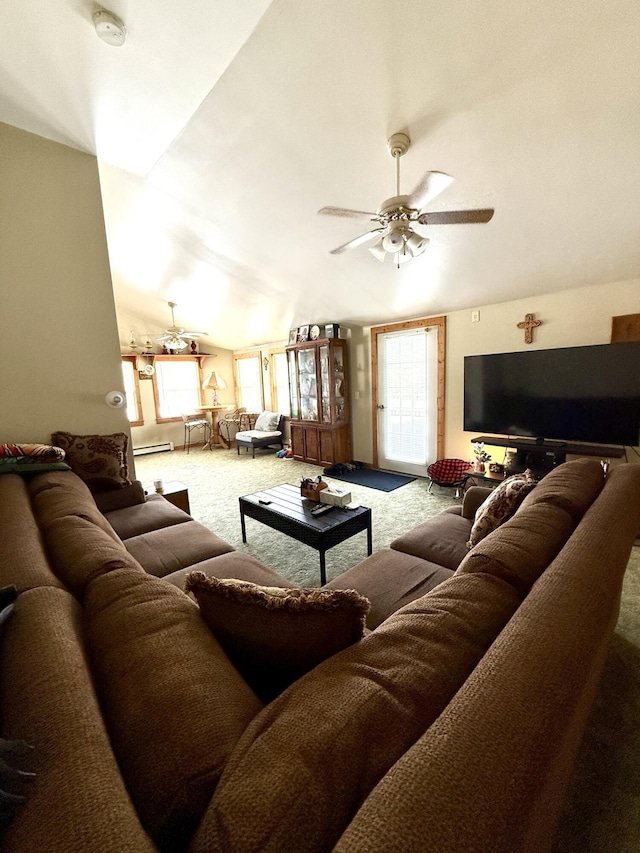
325, 384
293, 387
339, 384
307, 383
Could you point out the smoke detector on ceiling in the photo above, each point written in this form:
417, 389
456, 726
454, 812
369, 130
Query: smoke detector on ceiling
109, 27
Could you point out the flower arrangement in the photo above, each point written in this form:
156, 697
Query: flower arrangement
480, 453
481, 456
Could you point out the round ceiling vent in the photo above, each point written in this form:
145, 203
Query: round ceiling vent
110, 28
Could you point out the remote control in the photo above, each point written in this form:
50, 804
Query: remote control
320, 510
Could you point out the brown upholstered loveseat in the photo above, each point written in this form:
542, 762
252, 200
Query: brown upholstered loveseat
451, 726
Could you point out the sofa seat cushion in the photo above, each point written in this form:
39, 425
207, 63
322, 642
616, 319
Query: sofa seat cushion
309, 759
174, 704
390, 580
23, 561
161, 552
154, 513
441, 540
274, 635
78, 802
234, 564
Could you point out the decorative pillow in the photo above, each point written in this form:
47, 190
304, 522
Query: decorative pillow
267, 421
274, 635
500, 505
99, 460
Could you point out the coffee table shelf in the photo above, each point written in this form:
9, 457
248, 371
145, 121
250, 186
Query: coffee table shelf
284, 509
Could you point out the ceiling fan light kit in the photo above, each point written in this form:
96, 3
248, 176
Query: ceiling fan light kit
175, 338
394, 216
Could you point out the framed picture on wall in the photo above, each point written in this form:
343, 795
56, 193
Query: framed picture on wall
303, 333
293, 336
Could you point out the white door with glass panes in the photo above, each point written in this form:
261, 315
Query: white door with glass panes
407, 400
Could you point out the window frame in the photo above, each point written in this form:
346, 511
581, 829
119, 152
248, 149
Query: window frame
237, 358
160, 359
275, 396
133, 361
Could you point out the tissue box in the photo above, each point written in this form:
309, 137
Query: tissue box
335, 497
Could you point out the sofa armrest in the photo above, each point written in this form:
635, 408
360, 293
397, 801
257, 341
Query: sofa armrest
473, 497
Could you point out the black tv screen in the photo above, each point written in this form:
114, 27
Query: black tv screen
589, 394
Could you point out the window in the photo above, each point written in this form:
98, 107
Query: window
249, 381
279, 382
176, 385
132, 389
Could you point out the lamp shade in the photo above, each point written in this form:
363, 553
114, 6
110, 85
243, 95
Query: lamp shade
214, 381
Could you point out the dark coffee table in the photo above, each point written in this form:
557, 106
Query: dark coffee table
283, 508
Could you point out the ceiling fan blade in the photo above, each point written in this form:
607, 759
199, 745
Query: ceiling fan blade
192, 334
345, 213
358, 241
453, 217
431, 185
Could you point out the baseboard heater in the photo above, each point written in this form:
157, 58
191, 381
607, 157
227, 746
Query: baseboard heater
152, 448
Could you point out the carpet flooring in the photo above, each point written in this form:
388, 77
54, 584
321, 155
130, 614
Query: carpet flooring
602, 810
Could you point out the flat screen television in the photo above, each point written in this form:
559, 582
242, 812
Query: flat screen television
575, 394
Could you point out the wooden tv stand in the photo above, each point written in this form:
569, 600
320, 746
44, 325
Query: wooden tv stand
559, 448
542, 456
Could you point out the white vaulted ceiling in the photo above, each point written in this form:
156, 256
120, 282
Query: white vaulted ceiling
222, 127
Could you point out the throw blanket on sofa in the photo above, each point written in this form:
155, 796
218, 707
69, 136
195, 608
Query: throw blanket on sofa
31, 453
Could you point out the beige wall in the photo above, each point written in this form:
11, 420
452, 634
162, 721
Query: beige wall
59, 346
569, 318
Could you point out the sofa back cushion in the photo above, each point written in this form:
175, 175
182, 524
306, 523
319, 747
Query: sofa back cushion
78, 802
80, 551
61, 494
492, 771
310, 758
23, 561
174, 704
573, 486
521, 549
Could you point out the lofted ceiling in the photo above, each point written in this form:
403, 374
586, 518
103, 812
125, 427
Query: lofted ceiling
221, 128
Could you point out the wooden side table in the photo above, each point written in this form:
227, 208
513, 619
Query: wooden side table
177, 494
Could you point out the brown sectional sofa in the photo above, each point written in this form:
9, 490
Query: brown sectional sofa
453, 725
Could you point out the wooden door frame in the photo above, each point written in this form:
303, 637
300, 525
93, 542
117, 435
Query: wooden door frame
441, 329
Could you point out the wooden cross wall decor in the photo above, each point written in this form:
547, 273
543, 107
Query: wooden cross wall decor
529, 324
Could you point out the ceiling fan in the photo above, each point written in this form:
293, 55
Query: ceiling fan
394, 217
175, 337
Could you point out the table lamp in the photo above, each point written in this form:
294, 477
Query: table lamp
216, 383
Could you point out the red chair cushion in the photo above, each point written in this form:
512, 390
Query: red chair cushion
448, 471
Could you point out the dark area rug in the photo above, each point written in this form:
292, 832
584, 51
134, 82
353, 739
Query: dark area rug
383, 481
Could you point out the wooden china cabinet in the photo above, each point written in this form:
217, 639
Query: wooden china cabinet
319, 393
